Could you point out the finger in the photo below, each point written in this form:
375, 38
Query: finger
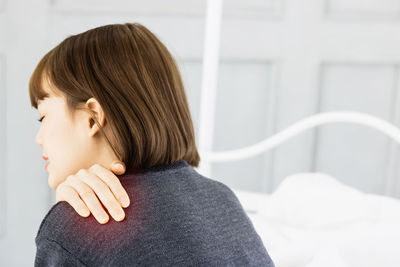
113, 183
118, 167
68, 194
89, 197
103, 193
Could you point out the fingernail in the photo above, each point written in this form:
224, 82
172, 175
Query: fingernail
125, 202
85, 212
120, 216
103, 218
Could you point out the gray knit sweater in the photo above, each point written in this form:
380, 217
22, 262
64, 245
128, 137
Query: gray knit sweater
177, 217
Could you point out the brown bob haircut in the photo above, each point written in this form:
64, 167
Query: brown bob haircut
133, 76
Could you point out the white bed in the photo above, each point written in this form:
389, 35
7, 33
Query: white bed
312, 219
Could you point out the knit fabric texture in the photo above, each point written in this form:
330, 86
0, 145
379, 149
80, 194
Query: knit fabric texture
177, 217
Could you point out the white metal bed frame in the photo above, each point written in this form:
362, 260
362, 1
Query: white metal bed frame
207, 107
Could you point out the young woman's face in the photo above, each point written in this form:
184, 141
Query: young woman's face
67, 145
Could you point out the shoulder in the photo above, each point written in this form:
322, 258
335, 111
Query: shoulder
220, 189
212, 193
65, 226
57, 240
56, 211
86, 238
60, 215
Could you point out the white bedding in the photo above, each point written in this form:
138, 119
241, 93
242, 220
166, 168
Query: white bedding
312, 219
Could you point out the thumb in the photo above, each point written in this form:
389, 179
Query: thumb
118, 167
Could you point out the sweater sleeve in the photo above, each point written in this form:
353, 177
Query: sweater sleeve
50, 253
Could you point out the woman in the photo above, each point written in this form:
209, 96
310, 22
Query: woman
114, 94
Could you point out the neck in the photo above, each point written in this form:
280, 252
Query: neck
105, 155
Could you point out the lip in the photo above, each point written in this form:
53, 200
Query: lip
47, 164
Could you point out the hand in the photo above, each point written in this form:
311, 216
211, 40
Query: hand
80, 191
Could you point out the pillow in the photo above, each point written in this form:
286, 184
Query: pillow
318, 200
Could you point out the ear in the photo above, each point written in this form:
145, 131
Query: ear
97, 113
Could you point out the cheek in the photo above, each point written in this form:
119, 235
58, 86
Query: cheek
68, 152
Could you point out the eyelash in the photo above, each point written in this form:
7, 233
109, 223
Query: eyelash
40, 120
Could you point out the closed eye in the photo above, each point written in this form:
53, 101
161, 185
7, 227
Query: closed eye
40, 120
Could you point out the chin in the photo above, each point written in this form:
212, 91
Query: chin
52, 183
